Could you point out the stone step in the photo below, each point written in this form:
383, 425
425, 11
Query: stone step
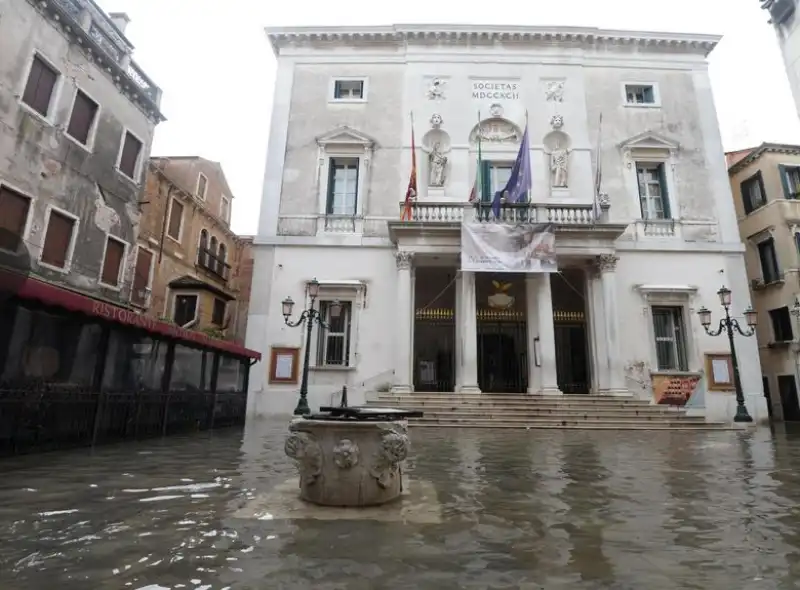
527, 399
479, 406
536, 410
560, 419
514, 416
585, 426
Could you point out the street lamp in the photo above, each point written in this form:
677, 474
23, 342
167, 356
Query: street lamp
729, 324
309, 316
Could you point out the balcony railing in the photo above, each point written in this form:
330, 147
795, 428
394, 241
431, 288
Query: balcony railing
438, 212
96, 29
208, 260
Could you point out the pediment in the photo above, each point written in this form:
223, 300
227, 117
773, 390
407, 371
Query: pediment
345, 135
649, 141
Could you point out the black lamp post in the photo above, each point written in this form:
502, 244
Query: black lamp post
309, 316
729, 324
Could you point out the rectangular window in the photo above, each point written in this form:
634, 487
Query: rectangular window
640, 94
128, 159
499, 173
40, 86
333, 348
185, 309
653, 198
770, 271
753, 195
224, 209
791, 181
218, 313
670, 337
202, 186
141, 277
134, 362
342, 186
14, 209
781, 320
191, 369
57, 239
348, 89
84, 111
111, 271
175, 225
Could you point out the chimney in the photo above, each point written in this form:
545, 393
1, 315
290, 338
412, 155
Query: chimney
120, 20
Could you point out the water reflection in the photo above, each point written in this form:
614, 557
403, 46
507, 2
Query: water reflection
519, 509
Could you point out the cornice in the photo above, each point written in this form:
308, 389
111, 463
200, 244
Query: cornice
764, 148
112, 58
281, 37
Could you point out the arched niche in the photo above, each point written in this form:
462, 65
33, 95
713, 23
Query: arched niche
434, 136
496, 130
557, 140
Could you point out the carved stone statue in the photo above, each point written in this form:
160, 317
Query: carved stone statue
438, 162
559, 167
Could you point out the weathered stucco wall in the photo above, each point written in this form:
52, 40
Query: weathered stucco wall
37, 159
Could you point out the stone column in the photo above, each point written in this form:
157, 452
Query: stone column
547, 338
598, 328
607, 265
459, 357
404, 317
532, 322
469, 334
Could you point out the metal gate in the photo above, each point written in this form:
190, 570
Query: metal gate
571, 344
434, 350
502, 351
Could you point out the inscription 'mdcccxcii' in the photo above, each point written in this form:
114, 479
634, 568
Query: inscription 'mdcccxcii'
495, 90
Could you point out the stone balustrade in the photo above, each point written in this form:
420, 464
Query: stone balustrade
94, 28
450, 212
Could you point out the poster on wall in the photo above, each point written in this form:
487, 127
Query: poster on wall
674, 390
503, 247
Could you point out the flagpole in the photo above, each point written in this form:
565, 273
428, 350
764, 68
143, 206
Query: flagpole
480, 160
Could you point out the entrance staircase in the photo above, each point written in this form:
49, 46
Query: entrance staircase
577, 412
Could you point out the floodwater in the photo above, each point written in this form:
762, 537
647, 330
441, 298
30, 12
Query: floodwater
544, 510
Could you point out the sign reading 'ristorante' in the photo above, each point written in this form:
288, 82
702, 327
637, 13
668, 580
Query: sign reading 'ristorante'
495, 90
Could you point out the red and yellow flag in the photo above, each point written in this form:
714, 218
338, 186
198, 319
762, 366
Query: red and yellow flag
411, 191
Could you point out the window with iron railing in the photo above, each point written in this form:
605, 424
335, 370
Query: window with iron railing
209, 260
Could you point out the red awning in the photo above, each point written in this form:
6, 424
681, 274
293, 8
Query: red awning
50, 294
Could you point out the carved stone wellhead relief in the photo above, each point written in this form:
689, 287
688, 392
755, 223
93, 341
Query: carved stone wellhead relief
304, 448
392, 451
346, 454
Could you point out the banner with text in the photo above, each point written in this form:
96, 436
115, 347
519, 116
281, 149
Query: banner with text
502, 247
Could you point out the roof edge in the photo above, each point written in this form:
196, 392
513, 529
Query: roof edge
758, 151
707, 42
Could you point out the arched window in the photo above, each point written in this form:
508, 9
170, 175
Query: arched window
212, 254
221, 257
202, 254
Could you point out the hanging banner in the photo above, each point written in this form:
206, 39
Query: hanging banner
502, 247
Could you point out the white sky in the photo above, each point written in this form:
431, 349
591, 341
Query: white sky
214, 64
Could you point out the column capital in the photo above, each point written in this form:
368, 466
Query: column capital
607, 263
403, 259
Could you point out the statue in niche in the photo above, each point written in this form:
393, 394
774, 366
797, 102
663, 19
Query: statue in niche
437, 162
559, 166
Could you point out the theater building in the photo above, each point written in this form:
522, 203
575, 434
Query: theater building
636, 259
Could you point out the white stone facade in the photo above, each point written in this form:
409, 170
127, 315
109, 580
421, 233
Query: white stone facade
785, 19
338, 165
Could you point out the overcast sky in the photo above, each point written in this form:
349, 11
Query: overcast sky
213, 62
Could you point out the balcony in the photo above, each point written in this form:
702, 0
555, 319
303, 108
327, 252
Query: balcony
455, 213
94, 30
209, 261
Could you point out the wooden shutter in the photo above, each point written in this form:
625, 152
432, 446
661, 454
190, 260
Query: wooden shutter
57, 239
13, 216
141, 275
218, 314
130, 153
84, 111
331, 177
112, 263
175, 220
662, 180
39, 87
